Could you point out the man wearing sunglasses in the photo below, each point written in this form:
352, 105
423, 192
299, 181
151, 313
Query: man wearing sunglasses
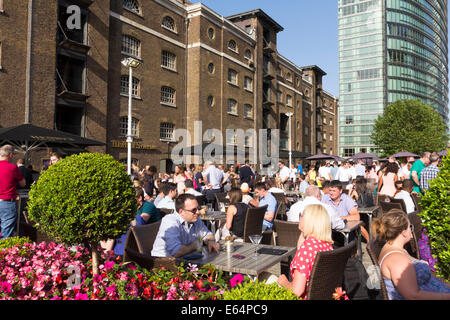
180, 232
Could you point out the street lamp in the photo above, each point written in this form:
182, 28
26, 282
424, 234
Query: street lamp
290, 114
130, 63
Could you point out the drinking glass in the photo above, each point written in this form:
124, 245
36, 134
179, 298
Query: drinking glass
255, 239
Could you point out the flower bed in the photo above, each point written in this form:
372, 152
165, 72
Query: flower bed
55, 272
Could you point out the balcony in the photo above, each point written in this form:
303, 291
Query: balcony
268, 47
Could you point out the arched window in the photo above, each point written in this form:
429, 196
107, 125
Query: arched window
232, 106
166, 131
123, 126
124, 86
132, 5
232, 45
168, 23
248, 54
232, 76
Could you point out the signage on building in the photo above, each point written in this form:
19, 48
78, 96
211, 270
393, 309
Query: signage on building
134, 145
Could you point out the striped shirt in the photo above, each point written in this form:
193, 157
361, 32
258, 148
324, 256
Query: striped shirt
428, 174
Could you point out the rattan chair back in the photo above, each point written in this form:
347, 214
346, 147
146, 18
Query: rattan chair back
400, 201
287, 233
254, 221
374, 259
328, 272
144, 237
281, 205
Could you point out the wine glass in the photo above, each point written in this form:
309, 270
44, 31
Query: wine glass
255, 239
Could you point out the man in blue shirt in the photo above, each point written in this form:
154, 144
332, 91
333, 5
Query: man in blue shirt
180, 232
299, 168
266, 198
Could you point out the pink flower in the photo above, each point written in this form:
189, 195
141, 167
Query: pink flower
55, 298
109, 265
81, 296
237, 279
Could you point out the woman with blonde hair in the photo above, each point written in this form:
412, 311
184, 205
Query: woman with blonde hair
315, 227
404, 276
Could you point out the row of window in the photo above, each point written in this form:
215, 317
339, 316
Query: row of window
166, 129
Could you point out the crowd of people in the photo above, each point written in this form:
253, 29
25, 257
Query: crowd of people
331, 193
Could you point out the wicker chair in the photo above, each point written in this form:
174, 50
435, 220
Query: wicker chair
221, 197
328, 272
374, 259
165, 211
287, 233
281, 205
253, 222
416, 200
381, 197
401, 201
139, 244
201, 200
386, 206
416, 222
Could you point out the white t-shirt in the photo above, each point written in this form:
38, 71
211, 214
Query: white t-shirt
284, 173
324, 172
297, 208
408, 200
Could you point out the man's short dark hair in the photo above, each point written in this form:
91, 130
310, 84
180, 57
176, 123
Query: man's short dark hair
335, 184
326, 184
181, 199
302, 176
170, 187
260, 185
162, 187
408, 184
152, 169
189, 183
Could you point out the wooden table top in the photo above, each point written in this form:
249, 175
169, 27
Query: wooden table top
248, 265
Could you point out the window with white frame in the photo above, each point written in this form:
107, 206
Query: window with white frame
248, 111
135, 88
232, 106
232, 45
331, 137
168, 60
289, 77
168, 95
132, 5
232, 77
131, 46
248, 141
248, 83
232, 139
166, 131
168, 23
279, 96
123, 126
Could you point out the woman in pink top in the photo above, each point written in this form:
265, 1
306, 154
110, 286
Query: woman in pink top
388, 179
315, 227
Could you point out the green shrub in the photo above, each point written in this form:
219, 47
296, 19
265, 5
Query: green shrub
13, 241
256, 290
83, 199
436, 218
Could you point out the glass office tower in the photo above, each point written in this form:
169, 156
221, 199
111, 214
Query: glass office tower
388, 50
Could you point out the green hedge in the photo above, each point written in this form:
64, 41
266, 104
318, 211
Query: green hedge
436, 218
259, 291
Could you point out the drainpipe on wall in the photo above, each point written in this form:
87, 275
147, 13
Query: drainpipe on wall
28, 64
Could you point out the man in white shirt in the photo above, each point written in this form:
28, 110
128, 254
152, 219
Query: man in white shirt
170, 194
344, 174
313, 196
285, 172
360, 169
405, 194
324, 172
213, 178
189, 188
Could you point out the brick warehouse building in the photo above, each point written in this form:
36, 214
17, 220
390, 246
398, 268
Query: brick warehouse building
196, 65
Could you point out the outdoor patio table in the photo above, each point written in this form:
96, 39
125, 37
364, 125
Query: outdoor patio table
248, 265
351, 226
213, 218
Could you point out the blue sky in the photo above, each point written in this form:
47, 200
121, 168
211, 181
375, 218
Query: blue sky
310, 34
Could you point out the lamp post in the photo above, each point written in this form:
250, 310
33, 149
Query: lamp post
290, 114
130, 63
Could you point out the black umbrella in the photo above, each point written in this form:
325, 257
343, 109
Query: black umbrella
27, 137
324, 156
362, 155
405, 154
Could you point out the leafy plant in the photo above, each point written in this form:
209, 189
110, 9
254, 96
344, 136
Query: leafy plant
257, 290
83, 199
13, 241
409, 125
436, 218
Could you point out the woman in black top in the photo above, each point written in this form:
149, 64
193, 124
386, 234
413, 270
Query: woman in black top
236, 213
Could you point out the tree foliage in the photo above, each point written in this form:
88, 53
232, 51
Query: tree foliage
83, 199
409, 125
436, 218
